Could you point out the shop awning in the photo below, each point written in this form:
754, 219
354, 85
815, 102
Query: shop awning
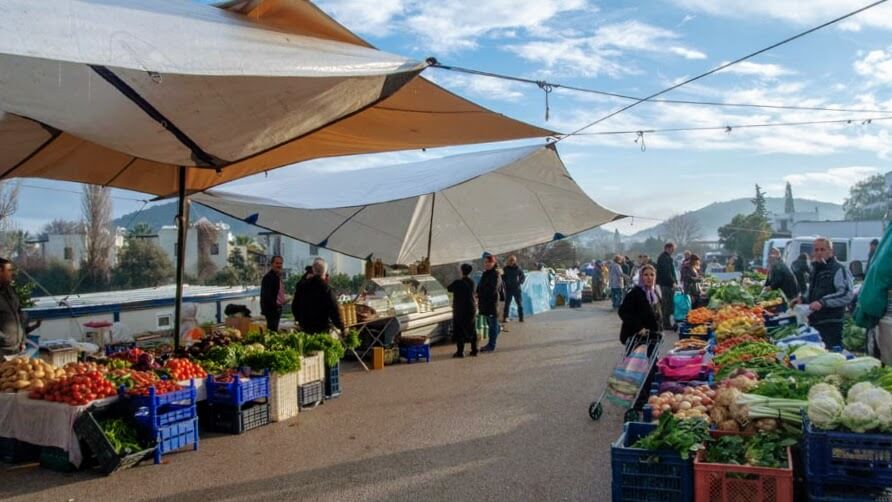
460, 206
123, 92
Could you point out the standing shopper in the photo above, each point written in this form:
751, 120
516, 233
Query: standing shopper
597, 279
802, 271
464, 312
641, 306
315, 307
616, 282
667, 280
272, 294
780, 276
513, 277
691, 279
829, 293
12, 319
488, 295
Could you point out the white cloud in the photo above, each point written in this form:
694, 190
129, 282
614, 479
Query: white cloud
478, 86
762, 70
876, 65
811, 12
831, 185
372, 18
606, 51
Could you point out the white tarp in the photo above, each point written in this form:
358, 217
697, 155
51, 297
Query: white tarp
495, 201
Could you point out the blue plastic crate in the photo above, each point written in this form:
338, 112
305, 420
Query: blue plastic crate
165, 415
846, 458
184, 396
176, 436
239, 391
332, 381
114, 348
648, 476
818, 492
413, 353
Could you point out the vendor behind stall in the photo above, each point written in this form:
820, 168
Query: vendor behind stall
780, 276
12, 320
829, 293
315, 307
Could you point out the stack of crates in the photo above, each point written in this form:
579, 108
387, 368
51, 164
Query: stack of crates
170, 420
333, 381
238, 406
311, 381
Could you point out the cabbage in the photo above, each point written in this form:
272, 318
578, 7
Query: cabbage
874, 397
825, 364
824, 410
808, 351
826, 389
857, 389
884, 416
859, 417
855, 368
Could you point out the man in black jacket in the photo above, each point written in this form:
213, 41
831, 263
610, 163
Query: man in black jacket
513, 278
780, 276
667, 280
829, 293
489, 292
315, 306
464, 312
272, 294
801, 269
12, 320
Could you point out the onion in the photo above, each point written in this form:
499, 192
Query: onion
684, 405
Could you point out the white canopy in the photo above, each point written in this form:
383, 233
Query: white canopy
460, 206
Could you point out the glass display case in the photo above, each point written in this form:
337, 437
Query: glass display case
430, 294
394, 292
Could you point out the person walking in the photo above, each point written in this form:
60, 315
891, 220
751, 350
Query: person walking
489, 292
464, 312
272, 294
513, 277
615, 279
829, 293
780, 277
315, 307
666, 280
641, 308
801, 270
13, 326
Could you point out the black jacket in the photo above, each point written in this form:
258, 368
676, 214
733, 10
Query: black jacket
666, 271
637, 314
513, 277
801, 270
463, 307
832, 286
315, 307
12, 325
269, 293
691, 280
781, 277
489, 292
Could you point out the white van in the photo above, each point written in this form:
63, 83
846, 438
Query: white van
848, 251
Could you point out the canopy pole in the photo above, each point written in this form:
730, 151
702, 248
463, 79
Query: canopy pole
430, 228
182, 229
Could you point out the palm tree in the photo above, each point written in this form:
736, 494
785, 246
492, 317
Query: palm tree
248, 242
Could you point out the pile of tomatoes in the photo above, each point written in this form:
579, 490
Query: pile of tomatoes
161, 387
77, 389
184, 369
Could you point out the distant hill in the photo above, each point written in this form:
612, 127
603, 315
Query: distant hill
717, 214
164, 214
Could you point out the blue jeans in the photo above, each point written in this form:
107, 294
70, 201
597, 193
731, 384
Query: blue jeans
617, 296
493, 322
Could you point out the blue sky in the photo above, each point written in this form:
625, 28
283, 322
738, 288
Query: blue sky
637, 50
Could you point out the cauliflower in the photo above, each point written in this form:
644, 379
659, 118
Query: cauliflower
884, 416
827, 390
856, 389
859, 417
824, 410
874, 397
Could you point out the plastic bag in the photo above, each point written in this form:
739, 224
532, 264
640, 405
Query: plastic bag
681, 306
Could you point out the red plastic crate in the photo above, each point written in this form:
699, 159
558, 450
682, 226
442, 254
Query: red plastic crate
742, 483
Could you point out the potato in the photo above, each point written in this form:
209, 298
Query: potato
37, 384
21, 384
38, 374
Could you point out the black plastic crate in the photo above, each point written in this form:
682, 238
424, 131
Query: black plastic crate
332, 381
230, 420
311, 394
56, 459
13, 451
90, 432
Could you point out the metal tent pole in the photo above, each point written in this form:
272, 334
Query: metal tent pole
182, 229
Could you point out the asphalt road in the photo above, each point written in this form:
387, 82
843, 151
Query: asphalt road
512, 425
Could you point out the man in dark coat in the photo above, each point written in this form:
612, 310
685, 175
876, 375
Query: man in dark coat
801, 269
12, 319
315, 306
513, 277
829, 293
464, 312
667, 280
780, 276
489, 291
874, 244
272, 294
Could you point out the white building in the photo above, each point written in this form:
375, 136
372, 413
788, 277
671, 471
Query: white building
783, 223
72, 248
167, 239
298, 255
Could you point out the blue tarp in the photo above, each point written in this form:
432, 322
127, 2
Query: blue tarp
566, 290
535, 293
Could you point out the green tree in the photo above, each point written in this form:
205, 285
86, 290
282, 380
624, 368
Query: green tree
789, 204
141, 263
745, 235
238, 271
869, 200
52, 278
761, 207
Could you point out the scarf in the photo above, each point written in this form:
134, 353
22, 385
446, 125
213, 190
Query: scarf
652, 295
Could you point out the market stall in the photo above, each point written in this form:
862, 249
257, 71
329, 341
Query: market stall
745, 391
536, 294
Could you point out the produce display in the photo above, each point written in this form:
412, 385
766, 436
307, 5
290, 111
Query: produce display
161, 387
700, 315
693, 402
121, 435
764, 449
854, 337
219, 337
741, 325
77, 389
683, 436
690, 344
138, 359
184, 369
21, 374
866, 408
132, 378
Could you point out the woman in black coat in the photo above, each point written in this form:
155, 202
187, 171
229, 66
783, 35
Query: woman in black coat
464, 312
641, 306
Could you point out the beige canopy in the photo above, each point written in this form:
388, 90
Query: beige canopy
83, 100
